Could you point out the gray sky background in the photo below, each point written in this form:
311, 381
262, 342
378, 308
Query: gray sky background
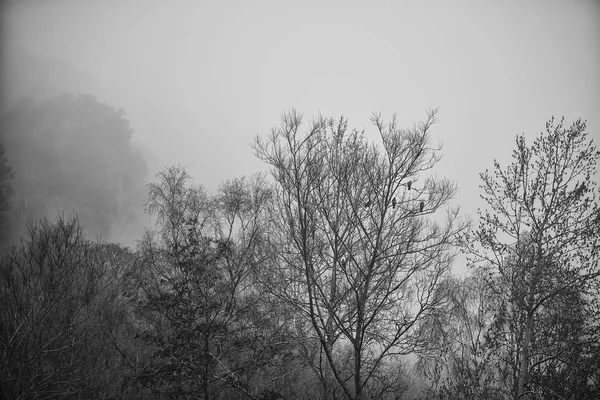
198, 80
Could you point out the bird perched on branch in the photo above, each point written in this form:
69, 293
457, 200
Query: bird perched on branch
408, 184
394, 202
580, 190
421, 206
368, 204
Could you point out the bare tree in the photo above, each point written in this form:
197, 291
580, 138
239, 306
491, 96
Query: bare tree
58, 299
355, 252
466, 364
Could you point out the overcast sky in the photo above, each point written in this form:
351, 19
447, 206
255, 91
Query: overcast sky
198, 80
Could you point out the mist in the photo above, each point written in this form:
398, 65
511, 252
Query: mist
74, 154
196, 82
299, 200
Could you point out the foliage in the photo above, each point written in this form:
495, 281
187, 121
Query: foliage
203, 317
58, 297
539, 240
325, 282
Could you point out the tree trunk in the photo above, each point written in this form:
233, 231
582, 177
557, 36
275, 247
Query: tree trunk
206, 360
358, 388
524, 369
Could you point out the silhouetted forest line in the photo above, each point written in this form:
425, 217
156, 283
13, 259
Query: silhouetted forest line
328, 278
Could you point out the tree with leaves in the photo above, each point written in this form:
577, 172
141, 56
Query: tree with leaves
74, 153
200, 311
6, 190
539, 241
354, 250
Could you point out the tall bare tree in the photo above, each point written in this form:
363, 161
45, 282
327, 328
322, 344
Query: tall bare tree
539, 238
356, 253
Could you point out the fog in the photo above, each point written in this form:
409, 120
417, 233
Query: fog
197, 81
348, 272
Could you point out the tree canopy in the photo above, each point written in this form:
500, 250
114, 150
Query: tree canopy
539, 241
74, 153
328, 279
356, 254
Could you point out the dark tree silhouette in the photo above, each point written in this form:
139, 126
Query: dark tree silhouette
74, 153
59, 306
6, 191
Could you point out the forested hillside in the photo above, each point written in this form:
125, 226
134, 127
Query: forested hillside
72, 152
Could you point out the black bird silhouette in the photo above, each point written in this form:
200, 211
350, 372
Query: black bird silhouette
368, 204
394, 202
421, 206
409, 184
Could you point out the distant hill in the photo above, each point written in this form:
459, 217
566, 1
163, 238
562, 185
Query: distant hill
28, 75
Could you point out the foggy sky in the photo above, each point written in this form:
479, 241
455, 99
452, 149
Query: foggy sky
198, 80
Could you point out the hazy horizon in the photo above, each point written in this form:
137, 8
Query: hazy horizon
199, 80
